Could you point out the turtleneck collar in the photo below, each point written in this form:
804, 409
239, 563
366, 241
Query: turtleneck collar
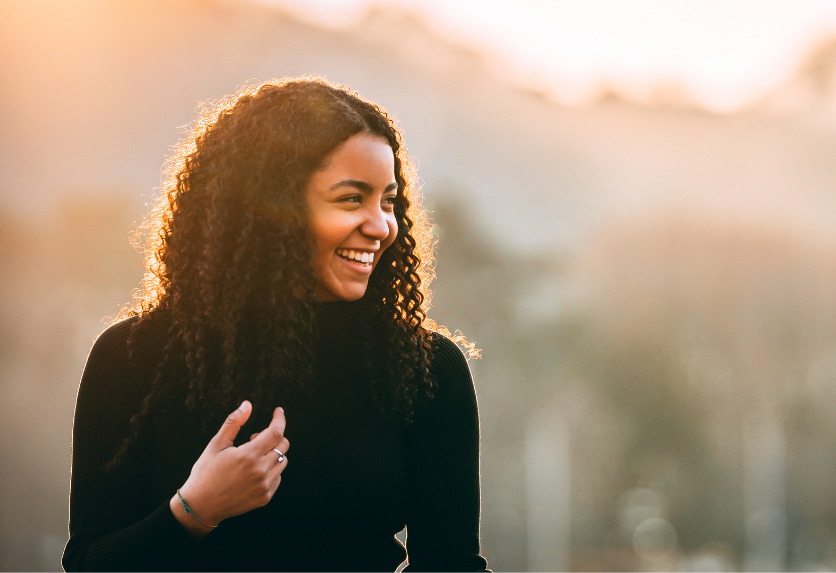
340, 346
338, 311
339, 324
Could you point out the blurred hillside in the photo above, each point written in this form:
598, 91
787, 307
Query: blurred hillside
811, 93
653, 286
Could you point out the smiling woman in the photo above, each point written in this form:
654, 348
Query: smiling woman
352, 215
286, 284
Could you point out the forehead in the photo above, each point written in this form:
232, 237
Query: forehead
363, 155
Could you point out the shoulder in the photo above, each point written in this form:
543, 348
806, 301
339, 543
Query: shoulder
450, 371
122, 349
108, 357
119, 364
448, 359
110, 350
114, 336
108, 394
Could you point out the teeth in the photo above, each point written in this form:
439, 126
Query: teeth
358, 256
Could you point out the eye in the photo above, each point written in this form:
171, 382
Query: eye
390, 201
351, 199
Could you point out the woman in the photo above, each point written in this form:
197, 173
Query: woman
283, 286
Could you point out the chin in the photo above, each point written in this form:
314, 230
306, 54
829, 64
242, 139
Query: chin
354, 295
344, 294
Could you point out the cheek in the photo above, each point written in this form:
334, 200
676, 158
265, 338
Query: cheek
320, 259
322, 235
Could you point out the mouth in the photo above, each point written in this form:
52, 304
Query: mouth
361, 258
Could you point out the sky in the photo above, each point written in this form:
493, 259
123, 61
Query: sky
722, 53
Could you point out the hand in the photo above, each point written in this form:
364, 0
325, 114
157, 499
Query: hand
227, 481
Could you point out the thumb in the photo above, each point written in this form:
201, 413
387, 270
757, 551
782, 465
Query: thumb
229, 429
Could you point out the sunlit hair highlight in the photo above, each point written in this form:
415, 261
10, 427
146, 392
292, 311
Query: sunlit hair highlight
227, 259
155, 227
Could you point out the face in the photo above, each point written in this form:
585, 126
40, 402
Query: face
352, 216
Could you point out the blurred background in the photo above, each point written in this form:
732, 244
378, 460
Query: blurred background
636, 210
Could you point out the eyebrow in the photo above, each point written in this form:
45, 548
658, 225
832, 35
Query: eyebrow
362, 185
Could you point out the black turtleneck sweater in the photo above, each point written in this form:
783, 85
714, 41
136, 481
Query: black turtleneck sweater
352, 480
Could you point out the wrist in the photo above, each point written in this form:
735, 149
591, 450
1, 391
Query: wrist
190, 517
200, 502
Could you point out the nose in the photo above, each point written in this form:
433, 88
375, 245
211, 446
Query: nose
375, 224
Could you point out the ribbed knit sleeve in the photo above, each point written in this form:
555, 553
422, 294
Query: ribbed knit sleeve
112, 524
443, 469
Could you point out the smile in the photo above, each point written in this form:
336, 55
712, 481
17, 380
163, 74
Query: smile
357, 257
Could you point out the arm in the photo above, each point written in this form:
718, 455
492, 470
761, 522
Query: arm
443, 468
112, 524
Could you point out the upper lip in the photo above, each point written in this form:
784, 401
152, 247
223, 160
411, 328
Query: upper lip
356, 250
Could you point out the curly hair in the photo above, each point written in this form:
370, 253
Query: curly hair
228, 259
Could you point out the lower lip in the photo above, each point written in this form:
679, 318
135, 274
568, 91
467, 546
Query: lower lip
356, 267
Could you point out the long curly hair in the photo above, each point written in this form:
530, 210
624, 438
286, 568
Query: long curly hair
228, 259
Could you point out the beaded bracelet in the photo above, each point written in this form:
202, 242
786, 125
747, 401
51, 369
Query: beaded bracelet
189, 510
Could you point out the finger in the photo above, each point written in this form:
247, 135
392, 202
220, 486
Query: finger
272, 434
272, 456
274, 465
229, 429
275, 480
252, 437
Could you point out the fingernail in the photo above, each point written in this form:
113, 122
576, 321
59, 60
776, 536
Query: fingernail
242, 407
281, 409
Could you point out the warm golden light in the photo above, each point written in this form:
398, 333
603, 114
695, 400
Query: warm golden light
632, 206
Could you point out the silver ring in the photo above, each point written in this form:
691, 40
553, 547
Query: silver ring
281, 456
